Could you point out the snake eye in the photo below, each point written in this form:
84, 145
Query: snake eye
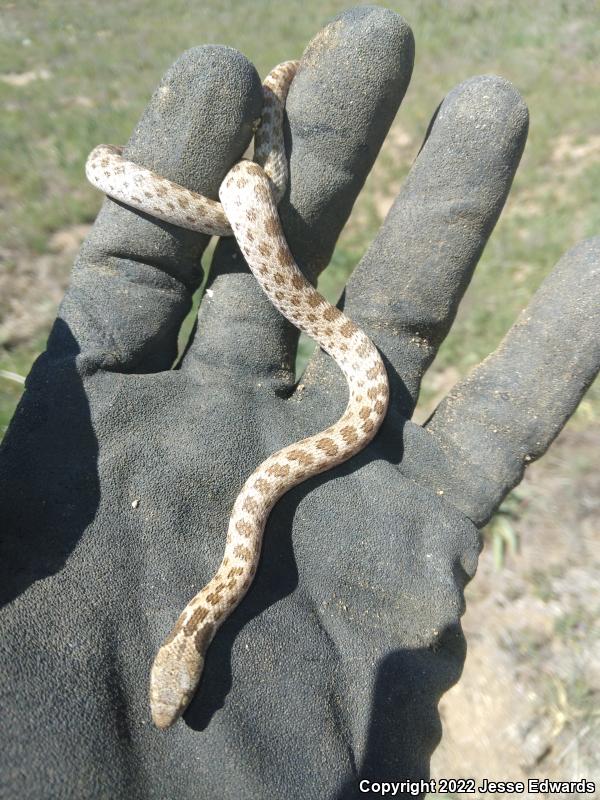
173, 682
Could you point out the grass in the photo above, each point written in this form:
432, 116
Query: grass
500, 532
542, 586
95, 65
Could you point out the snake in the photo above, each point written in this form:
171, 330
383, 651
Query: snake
247, 209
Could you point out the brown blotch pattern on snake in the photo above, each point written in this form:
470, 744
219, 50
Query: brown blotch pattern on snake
248, 198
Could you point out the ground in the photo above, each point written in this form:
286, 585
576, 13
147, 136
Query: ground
527, 704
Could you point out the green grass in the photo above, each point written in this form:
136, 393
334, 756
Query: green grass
18, 361
104, 60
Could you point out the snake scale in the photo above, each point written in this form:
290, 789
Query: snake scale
249, 195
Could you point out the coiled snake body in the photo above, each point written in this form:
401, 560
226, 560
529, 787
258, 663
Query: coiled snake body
249, 195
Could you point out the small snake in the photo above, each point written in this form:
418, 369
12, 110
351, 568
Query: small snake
249, 195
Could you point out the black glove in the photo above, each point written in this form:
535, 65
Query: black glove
118, 473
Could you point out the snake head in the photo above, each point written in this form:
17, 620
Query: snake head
173, 680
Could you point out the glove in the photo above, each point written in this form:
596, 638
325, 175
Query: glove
118, 472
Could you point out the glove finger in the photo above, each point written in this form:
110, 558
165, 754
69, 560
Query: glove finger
352, 78
406, 290
507, 412
134, 277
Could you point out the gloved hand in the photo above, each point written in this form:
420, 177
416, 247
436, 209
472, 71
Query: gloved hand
118, 473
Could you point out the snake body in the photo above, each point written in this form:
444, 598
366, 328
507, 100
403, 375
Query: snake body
249, 195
